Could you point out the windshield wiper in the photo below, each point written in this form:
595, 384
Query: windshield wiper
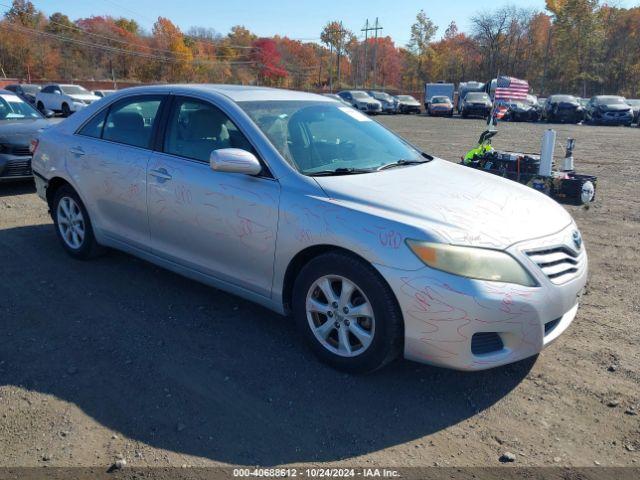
403, 163
341, 171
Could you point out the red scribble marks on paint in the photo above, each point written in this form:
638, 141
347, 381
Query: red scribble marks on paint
182, 195
107, 186
386, 237
132, 191
252, 233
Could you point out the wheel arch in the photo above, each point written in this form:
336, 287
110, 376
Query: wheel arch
305, 256
54, 184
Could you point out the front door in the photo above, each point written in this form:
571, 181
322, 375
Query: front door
220, 224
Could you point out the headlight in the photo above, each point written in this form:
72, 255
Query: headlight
470, 262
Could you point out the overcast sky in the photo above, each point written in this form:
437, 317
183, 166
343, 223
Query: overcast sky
301, 19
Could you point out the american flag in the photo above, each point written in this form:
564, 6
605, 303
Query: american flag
510, 88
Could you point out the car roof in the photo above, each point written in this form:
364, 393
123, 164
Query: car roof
237, 93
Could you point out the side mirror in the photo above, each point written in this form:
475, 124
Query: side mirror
48, 113
234, 160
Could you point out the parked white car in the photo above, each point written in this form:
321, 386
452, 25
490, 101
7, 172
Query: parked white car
64, 99
311, 208
103, 93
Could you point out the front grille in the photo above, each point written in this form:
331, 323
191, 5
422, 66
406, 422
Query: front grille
18, 150
559, 264
486, 342
18, 169
374, 106
551, 326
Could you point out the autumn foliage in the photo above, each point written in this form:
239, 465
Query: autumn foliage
575, 46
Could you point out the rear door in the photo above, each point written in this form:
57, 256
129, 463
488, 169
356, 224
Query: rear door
220, 224
108, 160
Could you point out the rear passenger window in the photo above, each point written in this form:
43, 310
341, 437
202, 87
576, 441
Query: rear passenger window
197, 128
94, 127
130, 121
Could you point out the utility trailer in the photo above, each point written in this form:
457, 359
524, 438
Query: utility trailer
535, 170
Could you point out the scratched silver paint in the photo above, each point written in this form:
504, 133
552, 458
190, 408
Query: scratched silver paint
240, 233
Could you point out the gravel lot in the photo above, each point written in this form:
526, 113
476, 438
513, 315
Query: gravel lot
116, 357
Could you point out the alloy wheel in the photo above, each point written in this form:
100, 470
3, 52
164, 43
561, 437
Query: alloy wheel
71, 222
340, 316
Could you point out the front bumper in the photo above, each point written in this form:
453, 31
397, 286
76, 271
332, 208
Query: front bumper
476, 111
613, 118
437, 112
15, 167
443, 312
410, 108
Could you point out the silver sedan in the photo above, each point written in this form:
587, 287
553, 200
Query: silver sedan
313, 209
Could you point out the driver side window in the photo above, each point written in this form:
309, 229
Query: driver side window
196, 128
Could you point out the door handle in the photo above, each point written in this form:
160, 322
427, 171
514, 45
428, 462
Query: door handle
160, 174
77, 151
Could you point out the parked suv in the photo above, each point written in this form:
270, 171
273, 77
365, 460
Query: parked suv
64, 99
362, 101
476, 104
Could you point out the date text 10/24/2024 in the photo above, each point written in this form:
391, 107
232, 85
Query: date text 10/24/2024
315, 473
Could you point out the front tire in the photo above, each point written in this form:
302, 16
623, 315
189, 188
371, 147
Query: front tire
41, 107
73, 225
66, 111
347, 313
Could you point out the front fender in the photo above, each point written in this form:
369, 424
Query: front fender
315, 220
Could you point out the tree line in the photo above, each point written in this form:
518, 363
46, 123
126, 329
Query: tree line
583, 47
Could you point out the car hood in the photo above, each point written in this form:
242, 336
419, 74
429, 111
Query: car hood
370, 100
21, 132
409, 102
84, 97
615, 107
452, 203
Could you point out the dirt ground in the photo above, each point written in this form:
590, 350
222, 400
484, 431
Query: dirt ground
116, 358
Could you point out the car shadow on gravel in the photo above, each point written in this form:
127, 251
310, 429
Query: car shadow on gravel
184, 367
10, 189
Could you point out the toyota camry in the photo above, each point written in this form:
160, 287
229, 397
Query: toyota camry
311, 208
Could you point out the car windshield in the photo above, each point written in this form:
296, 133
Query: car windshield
610, 99
73, 90
477, 97
564, 98
440, 100
634, 103
321, 137
361, 95
13, 107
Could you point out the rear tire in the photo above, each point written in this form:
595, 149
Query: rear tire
66, 111
357, 325
73, 225
41, 107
